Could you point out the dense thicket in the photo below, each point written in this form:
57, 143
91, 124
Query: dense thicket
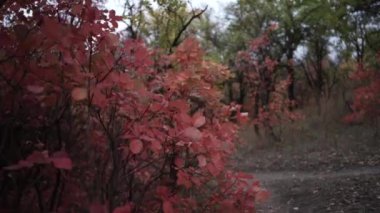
90, 122
321, 47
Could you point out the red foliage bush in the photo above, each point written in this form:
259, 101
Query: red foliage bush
88, 123
265, 85
366, 100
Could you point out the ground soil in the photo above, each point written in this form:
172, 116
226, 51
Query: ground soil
338, 170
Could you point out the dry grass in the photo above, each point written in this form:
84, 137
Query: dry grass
321, 138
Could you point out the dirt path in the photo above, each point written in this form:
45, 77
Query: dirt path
350, 190
268, 177
317, 167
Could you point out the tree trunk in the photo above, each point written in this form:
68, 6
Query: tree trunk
291, 85
291, 74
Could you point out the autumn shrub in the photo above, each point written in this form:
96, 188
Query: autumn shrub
366, 95
265, 85
92, 124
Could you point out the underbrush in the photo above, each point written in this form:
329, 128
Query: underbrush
320, 141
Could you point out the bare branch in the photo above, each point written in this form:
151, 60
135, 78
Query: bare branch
184, 27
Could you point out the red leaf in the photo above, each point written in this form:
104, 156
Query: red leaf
193, 133
180, 105
228, 206
201, 160
60, 154
112, 14
24, 163
185, 118
62, 163
79, 94
199, 121
242, 175
35, 89
217, 161
38, 157
179, 162
123, 209
51, 28
136, 146
77, 9
113, 40
98, 98
20, 165
156, 145
92, 14
262, 196
163, 192
214, 171
167, 207
183, 179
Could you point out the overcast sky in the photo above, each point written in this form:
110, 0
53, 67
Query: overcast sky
216, 5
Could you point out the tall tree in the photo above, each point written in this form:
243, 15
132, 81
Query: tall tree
165, 25
249, 18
